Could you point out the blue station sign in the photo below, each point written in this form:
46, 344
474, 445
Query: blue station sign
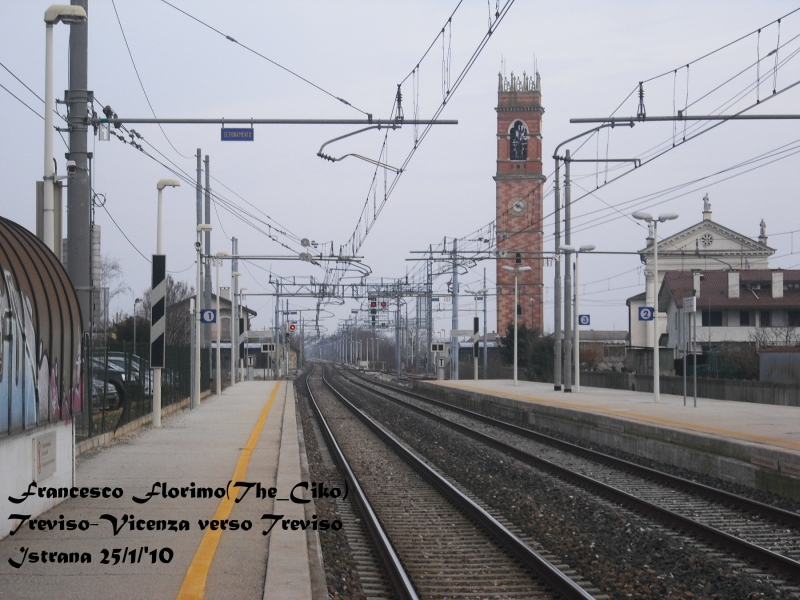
238, 134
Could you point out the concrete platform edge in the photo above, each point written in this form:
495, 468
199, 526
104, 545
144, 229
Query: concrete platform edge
730, 460
319, 587
288, 565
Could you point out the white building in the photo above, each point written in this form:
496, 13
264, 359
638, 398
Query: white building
705, 246
758, 306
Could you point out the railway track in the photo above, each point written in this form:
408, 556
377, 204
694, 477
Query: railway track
436, 542
764, 534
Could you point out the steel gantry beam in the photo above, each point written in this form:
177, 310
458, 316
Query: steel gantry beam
382, 123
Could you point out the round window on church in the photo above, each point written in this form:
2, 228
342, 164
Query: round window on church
706, 239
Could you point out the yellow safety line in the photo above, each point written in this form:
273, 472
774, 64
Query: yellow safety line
736, 434
194, 584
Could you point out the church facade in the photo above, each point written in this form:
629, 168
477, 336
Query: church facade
705, 246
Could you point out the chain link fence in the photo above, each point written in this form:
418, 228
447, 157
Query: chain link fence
122, 383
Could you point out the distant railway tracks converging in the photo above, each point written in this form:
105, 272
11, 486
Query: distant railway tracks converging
435, 541
710, 537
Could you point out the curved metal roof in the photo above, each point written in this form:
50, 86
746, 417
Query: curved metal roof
39, 296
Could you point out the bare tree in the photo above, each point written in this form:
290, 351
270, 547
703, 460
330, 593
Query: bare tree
179, 321
111, 277
766, 337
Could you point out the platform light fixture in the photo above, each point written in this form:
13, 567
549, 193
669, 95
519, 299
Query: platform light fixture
516, 271
662, 218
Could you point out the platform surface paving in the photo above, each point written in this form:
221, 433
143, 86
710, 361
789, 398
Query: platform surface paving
233, 437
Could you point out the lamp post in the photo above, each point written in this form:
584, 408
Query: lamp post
135, 302
198, 247
220, 256
242, 359
235, 327
70, 15
656, 357
162, 183
576, 349
516, 271
475, 329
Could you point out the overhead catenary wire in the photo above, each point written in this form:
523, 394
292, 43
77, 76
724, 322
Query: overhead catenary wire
280, 66
227, 204
141, 84
356, 240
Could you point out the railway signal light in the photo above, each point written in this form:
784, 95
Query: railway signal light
292, 327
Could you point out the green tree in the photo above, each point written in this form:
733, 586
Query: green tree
535, 351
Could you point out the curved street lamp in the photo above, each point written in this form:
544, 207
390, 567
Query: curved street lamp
69, 15
162, 183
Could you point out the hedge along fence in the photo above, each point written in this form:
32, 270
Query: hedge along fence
736, 390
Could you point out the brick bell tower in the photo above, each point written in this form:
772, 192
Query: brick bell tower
519, 182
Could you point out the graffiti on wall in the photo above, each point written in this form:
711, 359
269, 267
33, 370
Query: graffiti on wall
30, 379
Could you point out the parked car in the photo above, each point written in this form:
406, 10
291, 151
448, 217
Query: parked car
108, 399
135, 365
116, 376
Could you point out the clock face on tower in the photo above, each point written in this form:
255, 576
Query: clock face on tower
518, 206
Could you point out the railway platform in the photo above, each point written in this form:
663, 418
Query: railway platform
171, 526
756, 445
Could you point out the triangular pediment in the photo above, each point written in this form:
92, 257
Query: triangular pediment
709, 239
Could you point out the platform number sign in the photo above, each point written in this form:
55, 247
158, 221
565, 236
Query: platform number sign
645, 313
584, 320
208, 315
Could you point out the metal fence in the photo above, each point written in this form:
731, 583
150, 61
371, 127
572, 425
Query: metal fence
121, 388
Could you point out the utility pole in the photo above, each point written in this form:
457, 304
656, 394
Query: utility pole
429, 325
557, 284
277, 332
79, 208
398, 349
567, 280
453, 338
207, 282
485, 338
234, 311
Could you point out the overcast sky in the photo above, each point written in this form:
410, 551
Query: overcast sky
591, 55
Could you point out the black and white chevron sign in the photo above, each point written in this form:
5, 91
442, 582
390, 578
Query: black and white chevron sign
158, 298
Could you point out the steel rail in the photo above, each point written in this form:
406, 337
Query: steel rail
402, 582
551, 575
732, 543
765, 510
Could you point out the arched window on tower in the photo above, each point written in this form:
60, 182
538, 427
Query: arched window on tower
518, 258
518, 140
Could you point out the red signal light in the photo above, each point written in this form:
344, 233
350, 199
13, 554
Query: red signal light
383, 304
292, 327
373, 304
